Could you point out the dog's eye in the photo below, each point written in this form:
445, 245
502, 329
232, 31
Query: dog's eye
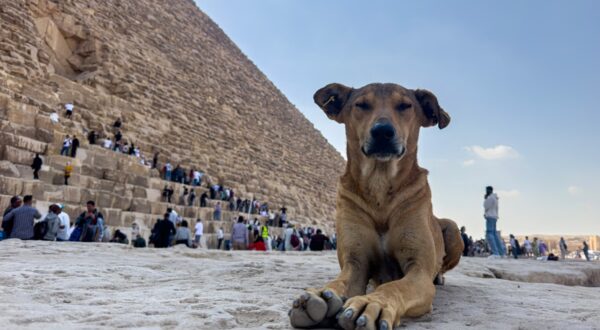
403, 106
363, 105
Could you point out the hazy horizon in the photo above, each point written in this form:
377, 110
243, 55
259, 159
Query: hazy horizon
518, 78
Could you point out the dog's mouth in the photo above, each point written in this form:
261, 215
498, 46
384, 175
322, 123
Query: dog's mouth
385, 152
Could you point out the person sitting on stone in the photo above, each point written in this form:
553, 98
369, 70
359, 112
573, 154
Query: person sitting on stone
52, 223
317, 241
22, 219
139, 242
162, 232
119, 237
7, 225
183, 235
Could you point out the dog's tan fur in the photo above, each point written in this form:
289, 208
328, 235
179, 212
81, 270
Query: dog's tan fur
387, 232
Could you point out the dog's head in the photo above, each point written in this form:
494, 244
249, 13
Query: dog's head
382, 120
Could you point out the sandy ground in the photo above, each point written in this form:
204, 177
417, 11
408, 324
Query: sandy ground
94, 286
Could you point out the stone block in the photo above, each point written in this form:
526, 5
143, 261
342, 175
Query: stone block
22, 114
10, 186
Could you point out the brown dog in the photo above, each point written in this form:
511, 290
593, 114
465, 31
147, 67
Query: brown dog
387, 232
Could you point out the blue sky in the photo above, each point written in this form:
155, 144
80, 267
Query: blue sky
519, 78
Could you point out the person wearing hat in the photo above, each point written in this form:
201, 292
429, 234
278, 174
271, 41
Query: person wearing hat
64, 225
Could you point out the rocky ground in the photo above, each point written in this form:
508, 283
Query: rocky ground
92, 286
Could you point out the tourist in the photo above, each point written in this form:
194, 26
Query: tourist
317, 241
65, 146
203, 199
258, 244
182, 198
69, 110
168, 193
199, 230
92, 136
89, 225
490, 206
74, 146
119, 237
239, 235
197, 178
139, 242
107, 143
528, 247
51, 223
7, 225
183, 235
586, 252
514, 246
68, 171
287, 237
543, 248
155, 160
168, 171
118, 137
117, 124
220, 237
65, 225
163, 231
465, 239
217, 212
22, 219
36, 166
54, 117
563, 248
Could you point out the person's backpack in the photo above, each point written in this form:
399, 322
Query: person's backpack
40, 229
295, 241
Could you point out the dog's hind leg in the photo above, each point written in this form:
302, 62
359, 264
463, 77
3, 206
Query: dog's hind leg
453, 245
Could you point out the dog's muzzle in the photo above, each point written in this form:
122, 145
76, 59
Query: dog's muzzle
383, 142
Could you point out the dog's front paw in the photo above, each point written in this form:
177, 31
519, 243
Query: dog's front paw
316, 308
369, 312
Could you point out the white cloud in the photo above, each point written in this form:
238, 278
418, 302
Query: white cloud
514, 193
468, 162
574, 190
493, 153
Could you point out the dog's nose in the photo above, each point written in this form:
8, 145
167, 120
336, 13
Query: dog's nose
383, 131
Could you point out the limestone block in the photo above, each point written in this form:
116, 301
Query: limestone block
112, 217
104, 199
10, 186
17, 156
72, 194
122, 202
190, 212
141, 205
141, 181
8, 169
139, 192
22, 114
158, 208
22, 142
87, 195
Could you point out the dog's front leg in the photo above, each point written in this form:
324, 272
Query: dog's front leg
410, 296
319, 307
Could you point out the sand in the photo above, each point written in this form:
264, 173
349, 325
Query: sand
105, 286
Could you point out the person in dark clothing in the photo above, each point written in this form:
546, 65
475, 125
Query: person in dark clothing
203, 199
117, 124
119, 237
155, 161
74, 146
163, 229
36, 166
92, 136
139, 242
317, 242
118, 137
7, 226
213, 193
466, 241
132, 149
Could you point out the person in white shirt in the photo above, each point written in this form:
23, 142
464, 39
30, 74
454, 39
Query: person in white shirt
66, 145
528, 247
220, 237
107, 143
69, 110
64, 227
54, 117
199, 229
490, 206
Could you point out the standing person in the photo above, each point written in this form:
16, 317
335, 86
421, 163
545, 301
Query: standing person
64, 151
239, 235
163, 231
69, 110
528, 247
74, 146
563, 248
68, 171
203, 199
586, 249
64, 225
168, 171
117, 124
92, 136
220, 236
490, 206
183, 235
36, 166
514, 246
217, 212
155, 160
22, 219
543, 248
466, 241
7, 225
287, 238
198, 234
52, 223
170, 192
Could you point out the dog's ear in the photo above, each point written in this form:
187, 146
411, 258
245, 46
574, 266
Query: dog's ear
433, 112
332, 99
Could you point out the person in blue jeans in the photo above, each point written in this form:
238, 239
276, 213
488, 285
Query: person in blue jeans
490, 206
